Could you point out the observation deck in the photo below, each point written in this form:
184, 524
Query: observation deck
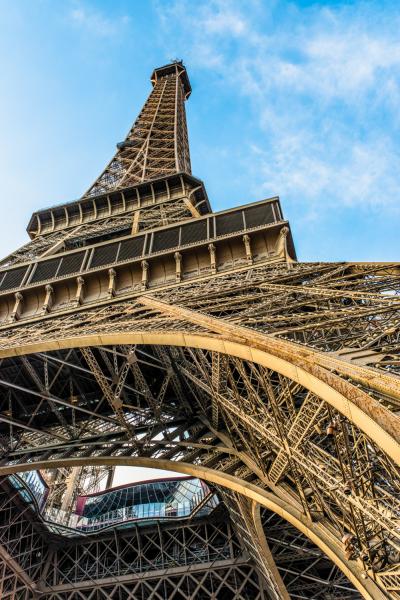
140, 503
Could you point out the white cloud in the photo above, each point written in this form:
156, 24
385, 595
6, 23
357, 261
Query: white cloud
365, 176
351, 62
203, 28
224, 21
95, 22
325, 88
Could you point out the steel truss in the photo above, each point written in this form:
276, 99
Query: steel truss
157, 144
224, 413
276, 381
201, 559
304, 569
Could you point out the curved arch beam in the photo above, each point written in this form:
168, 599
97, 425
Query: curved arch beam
316, 532
368, 415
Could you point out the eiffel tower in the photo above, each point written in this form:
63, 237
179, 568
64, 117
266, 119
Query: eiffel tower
140, 328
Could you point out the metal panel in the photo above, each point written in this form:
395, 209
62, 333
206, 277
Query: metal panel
104, 255
131, 248
46, 270
229, 223
71, 264
166, 239
13, 279
259, 215
194, 232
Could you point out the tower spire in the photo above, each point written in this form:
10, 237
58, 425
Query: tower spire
157, 144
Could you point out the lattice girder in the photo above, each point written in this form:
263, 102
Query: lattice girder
316, 470
139, 328
197, 559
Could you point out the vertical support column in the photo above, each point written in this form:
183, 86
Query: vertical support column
80, 282
68, 497
282, 246
135, 222
111, 282
178, 266
110, 477
145, 274
213, 258
215, 382
247, 245
16, 311
48, 301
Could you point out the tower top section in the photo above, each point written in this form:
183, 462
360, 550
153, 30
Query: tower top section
157, 144
176, 69
152, 161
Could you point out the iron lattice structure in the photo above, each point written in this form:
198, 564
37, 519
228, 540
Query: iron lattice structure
140, 328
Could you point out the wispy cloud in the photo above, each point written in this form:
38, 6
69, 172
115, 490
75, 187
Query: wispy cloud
364, 175
324, 85
95, 22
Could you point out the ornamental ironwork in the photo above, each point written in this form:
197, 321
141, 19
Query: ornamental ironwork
138, 327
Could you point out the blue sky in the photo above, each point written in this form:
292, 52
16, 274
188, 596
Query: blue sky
298, 99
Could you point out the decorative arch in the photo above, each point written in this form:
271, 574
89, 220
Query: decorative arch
376, 422
316, 532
